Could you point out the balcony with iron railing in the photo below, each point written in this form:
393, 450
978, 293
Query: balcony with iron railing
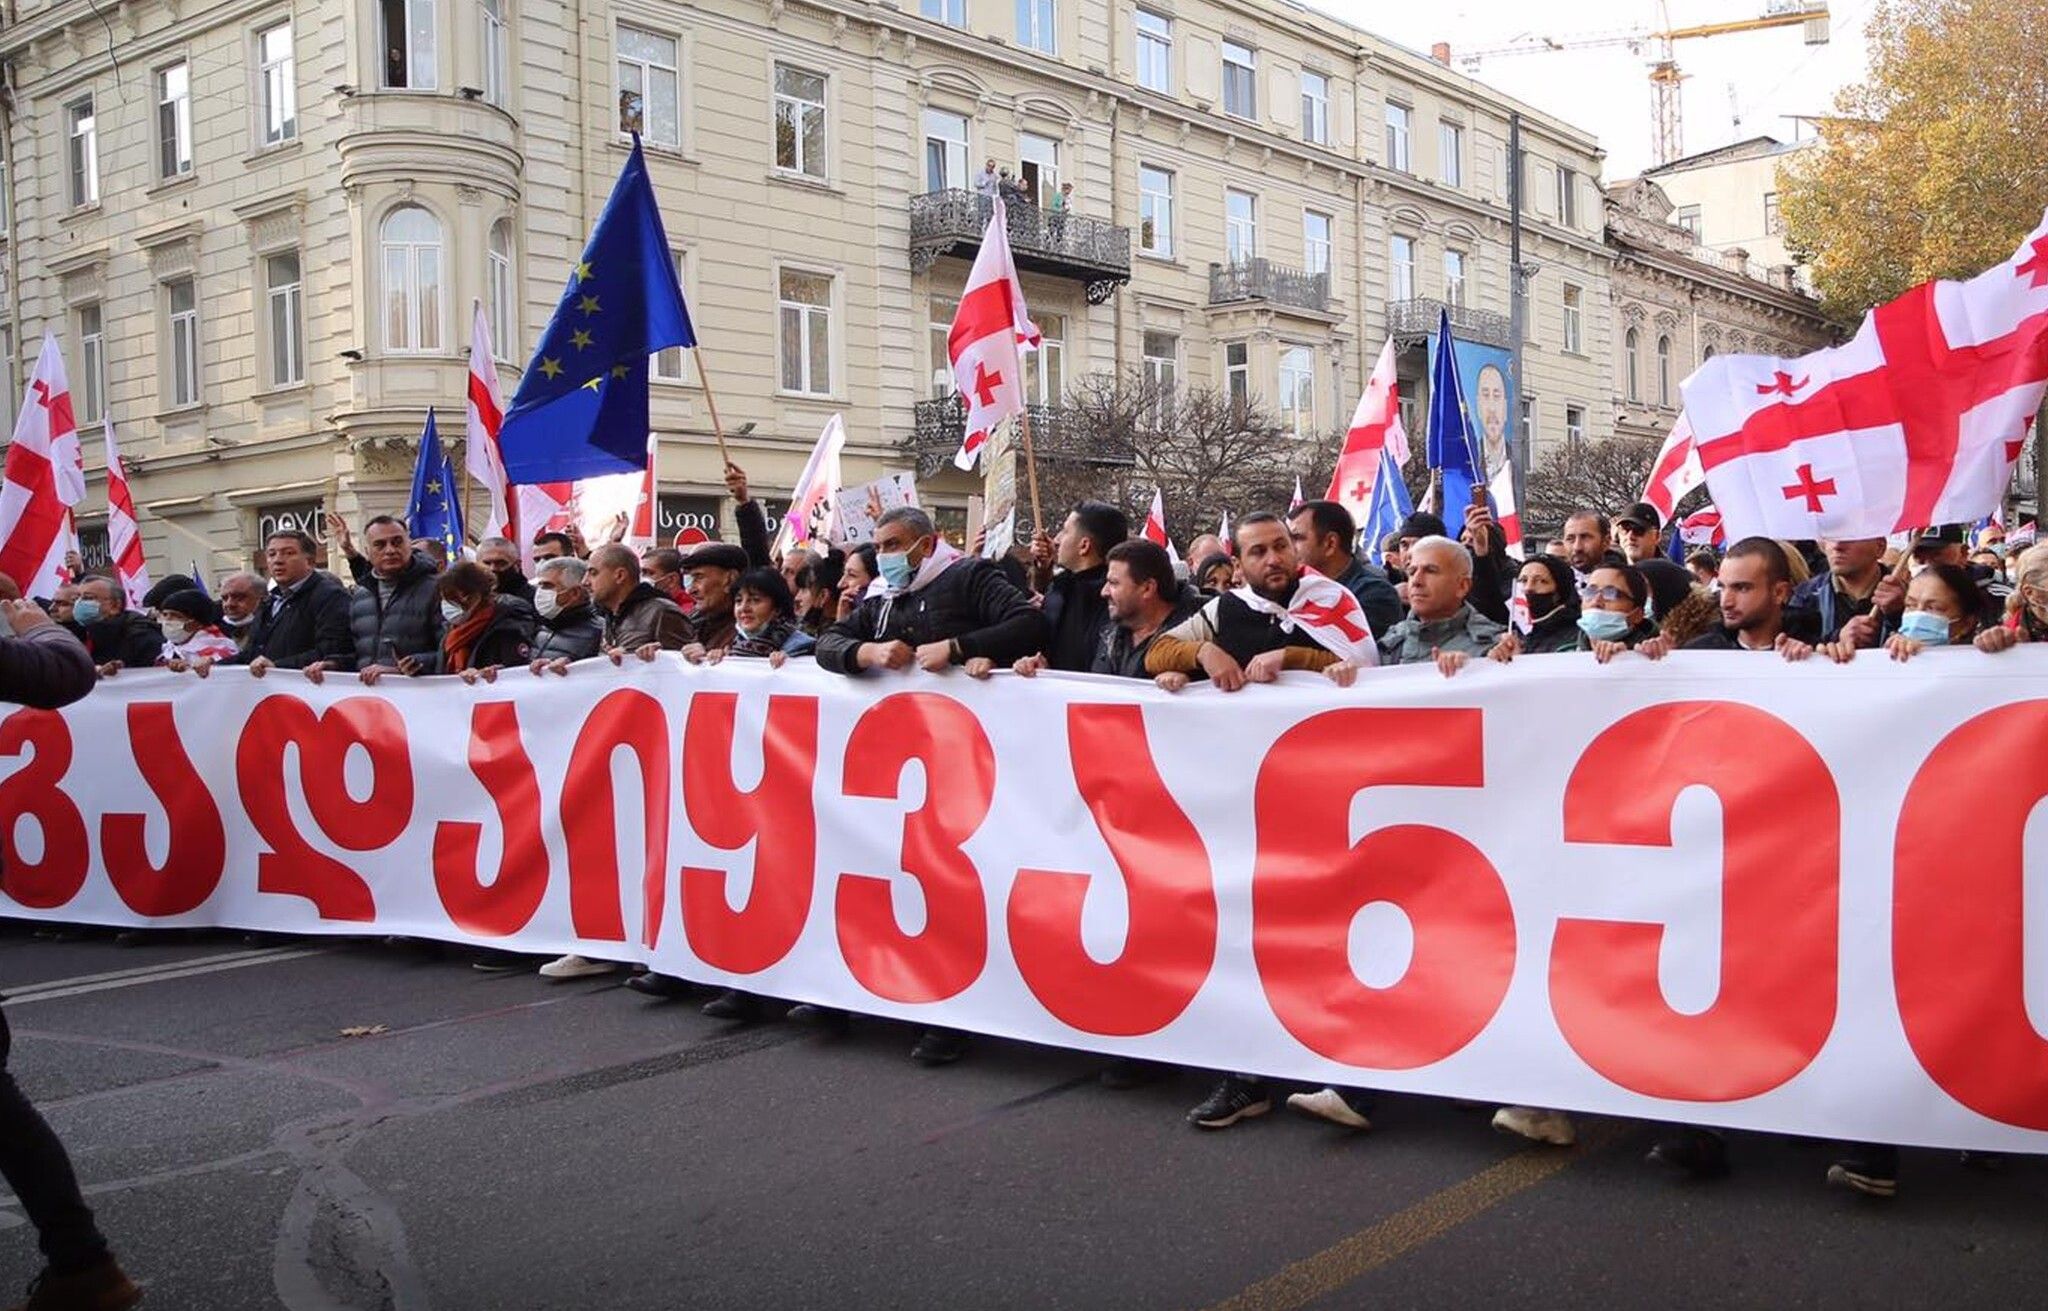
1057, 435
1055, 242
1415, 320
1259, 280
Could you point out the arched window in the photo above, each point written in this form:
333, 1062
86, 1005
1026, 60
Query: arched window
1631, 352
1664, 371
501, 301
411, 247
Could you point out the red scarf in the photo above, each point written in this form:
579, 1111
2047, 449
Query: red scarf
460, 638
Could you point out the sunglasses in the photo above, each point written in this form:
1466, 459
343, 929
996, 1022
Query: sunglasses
1605, 594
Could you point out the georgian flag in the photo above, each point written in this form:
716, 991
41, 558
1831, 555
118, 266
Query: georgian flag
486, 415
1375, 435
1912, 423
990, 331
43, 478
1676, 472
124, 534
1154, 530
1325, 610
1502, 490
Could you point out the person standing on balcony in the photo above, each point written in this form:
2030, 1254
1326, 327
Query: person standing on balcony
985, 182
1062, 204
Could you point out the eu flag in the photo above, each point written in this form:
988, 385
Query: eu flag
1452, 450
1387, 509
581, 408
435, 511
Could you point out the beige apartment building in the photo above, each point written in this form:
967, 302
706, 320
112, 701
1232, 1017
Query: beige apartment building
258, 230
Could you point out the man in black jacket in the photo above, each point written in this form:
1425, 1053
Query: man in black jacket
1756, 586
304, 619
570, 627
1075, 611
393, 617
1324, 538
501, 557
117, 638
44, 666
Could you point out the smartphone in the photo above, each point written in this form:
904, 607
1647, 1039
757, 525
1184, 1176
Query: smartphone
1479, 495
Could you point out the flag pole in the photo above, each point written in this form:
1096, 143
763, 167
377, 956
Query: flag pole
1031, 470
711, 403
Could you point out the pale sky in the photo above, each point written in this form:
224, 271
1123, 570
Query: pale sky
1774, 73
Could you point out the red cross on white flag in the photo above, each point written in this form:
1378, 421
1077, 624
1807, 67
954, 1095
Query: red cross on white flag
1676, 472
1907, 426
1155, 524
1375, 434
44, 478
1325, 610
991, 330
124, 534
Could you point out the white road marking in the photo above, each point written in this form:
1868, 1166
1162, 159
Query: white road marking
89, 983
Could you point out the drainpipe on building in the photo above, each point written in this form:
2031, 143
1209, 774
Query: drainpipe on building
582, 125
13, 184
1517, 296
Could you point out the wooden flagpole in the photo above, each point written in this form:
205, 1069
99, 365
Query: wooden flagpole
1031, 470
711, 403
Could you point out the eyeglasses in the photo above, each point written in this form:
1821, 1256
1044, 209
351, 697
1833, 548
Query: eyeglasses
1605, 594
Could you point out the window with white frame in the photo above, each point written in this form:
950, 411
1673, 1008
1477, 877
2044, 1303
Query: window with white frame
1574, 318
286, 315
1317, 240
1574, 426
410, 248
672, 364
92, 356
1155, 51
1240, 225
1529, 415
651, 84
1038, 161
1045, 369
1240, 80
1632, 364
1664, 371
1773, 222
10, 374
953, 13
1155, 211
799, 121
1567, 196
497, 66
1315, 108
1399, 119
1298, 390
83, 153
1450, 151
409, 39
1454, 277
500, 296
181, 320
1688, 217
277, 84
174, 120
1037, 25
1400, 267
938, 337
945, 151
1237, 374
1162, 364
805, 307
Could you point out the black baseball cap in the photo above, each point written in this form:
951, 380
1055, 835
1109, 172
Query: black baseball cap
1642, 515
1951, 534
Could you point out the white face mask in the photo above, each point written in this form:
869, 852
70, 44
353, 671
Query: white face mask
545, 602
174, 633
452, 612
233, 621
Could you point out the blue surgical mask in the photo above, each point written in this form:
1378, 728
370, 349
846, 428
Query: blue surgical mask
85, 612
1604, 625
895, 567
1925, 627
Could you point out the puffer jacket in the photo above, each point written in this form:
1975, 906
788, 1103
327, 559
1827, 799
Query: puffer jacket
408, 623
575, 634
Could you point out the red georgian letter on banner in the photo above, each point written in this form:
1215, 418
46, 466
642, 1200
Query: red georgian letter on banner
1310, 882
198, 845
31, 792
1959, 915
1781, 824
959, 771
633, 720
1171, 941
292, 867
498, 758
777, 816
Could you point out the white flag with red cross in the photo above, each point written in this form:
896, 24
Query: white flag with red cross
1917, 421
990, 332
44, 477
480, 454
640, 525
1505, 512
1375, 435
1326, 610
1154, 530
1676, 471
124, 534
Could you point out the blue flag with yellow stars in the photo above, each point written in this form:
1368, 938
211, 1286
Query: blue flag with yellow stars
581, 408
1452, 449
435, 510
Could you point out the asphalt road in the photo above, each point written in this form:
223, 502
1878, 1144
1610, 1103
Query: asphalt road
506, 1143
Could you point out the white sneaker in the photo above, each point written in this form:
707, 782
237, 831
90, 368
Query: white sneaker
1553, 1127
1329, 1105
573, 966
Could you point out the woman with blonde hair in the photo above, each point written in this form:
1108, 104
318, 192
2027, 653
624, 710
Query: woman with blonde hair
2026, 610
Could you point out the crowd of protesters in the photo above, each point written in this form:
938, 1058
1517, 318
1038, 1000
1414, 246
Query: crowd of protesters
1087, 599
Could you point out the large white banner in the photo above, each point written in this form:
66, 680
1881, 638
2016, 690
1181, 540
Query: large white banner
1718, 889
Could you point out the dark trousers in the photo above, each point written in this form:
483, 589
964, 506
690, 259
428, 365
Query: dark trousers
36, 1167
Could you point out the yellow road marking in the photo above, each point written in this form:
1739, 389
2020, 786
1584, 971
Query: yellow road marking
1318, 1276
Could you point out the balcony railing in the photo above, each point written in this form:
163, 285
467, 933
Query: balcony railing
1060, 243
1056, 436
1275, 284
1415, 320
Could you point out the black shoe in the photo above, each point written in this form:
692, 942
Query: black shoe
826, 1019
1126, 1072
1232, 1100
1988, 1162
732, 1004
1696, 1153
665, 986
939, 1047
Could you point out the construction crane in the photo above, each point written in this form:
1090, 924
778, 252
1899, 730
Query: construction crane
1666, 105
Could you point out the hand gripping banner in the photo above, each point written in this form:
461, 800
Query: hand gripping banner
1718, 889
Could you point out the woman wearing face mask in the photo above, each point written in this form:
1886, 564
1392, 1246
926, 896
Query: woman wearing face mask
854, 582
1943, 608
191, 627
483, 633
2026, 617
1546, 583
1614, 615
